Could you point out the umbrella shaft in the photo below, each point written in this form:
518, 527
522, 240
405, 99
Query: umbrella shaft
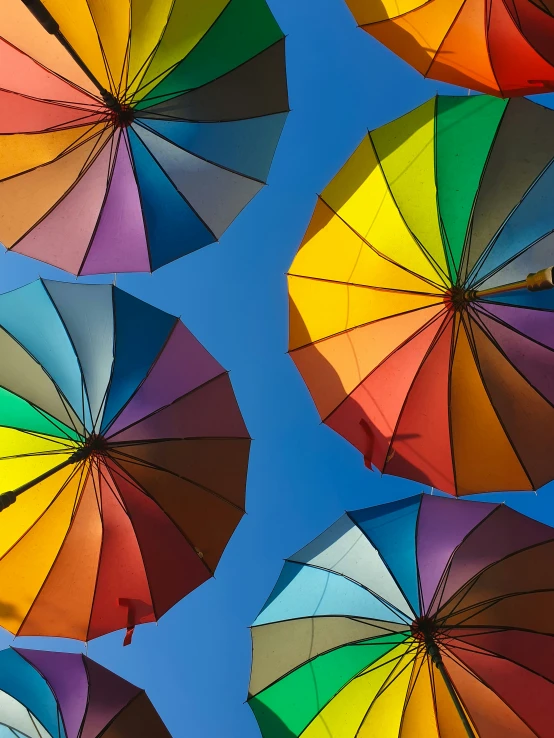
436, 658
49, 23
8, 498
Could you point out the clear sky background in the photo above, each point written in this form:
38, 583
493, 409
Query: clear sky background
195, 663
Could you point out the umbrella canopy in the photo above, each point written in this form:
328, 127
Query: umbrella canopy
424, 617
413, 320
500, 47
123, 454
44, 694
133, 133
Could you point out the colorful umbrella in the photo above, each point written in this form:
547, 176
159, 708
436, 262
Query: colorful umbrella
501, 47
413, 320
67, 695
133, 133
423, 618
123, 459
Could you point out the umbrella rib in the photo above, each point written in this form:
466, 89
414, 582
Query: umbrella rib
377, 596
445, 279
482, 681
180, 93
84, 392
389, 570
466, 251
360, 383
77, 495
49, 418
144, 491
172, 67
447, 569
73, 146
453, 345
111, 168
101, 47
473, 347
98, 498
438, 335
346, 331
172, 183
51, 71
411, 686
507, 358
440, 287
491, 654
513, 258
160, 409
84, 169
483, 308
123, 506
474, 579
142, 124
438, 297
140, 462
141, 73
150, 369
311, 659
135, 176
387, 683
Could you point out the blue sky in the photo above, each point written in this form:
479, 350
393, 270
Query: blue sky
195, 663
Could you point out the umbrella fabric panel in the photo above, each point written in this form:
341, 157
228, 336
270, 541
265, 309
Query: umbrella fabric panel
64, 234
439, 533
464, 137
399, 520
210, 182
49, 175
139, 719
344, 549
19, 680
87, 314
216, 54
305, 591
301, 641
68, 681
165, 211
300, 696
183, 365
485, 603
119, 241
165, 64
139, 518
26, 33
29, 315
142, 332
495, 52
243, 146
88, 700
380, 348
255, 88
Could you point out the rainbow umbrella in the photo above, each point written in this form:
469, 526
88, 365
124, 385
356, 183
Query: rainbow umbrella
44, 694
420, 316
423, 618
123, 460
500, 47
133, 133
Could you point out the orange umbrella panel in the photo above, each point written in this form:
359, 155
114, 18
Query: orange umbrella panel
500, 47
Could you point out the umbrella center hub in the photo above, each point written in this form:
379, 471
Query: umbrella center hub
457, 298
95, 444
424, 629
122, 115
